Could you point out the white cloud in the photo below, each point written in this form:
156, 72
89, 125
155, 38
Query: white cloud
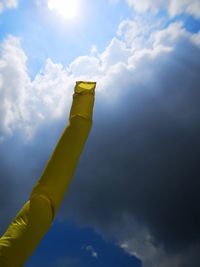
49, 96
116, 52
196, 38
13, 85
25, 104
174, 7
92, 251
85, 66
153, 255
145, 5
50, 90
133, 33
4, 4
169, 35
191, 7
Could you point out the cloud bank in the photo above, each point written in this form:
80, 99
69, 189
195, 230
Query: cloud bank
172, 6
138, 180
142, 185
6, 4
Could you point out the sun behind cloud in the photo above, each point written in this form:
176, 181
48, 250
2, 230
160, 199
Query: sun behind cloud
66, 8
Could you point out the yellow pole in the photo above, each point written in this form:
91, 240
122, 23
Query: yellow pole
34, 219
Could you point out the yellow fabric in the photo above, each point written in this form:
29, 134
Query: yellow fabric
35, 217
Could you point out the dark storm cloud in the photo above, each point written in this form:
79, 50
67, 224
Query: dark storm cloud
9, 176
5, 192
21, 164
141, 160
142, 157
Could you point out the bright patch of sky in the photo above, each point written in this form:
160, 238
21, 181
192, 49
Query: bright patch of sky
45, 34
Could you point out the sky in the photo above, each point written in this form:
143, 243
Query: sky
134, 199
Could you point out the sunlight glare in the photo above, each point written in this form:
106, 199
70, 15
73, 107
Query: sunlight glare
67, 8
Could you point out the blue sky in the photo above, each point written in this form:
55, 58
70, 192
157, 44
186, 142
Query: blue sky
134, 199
62, 40
79, 247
